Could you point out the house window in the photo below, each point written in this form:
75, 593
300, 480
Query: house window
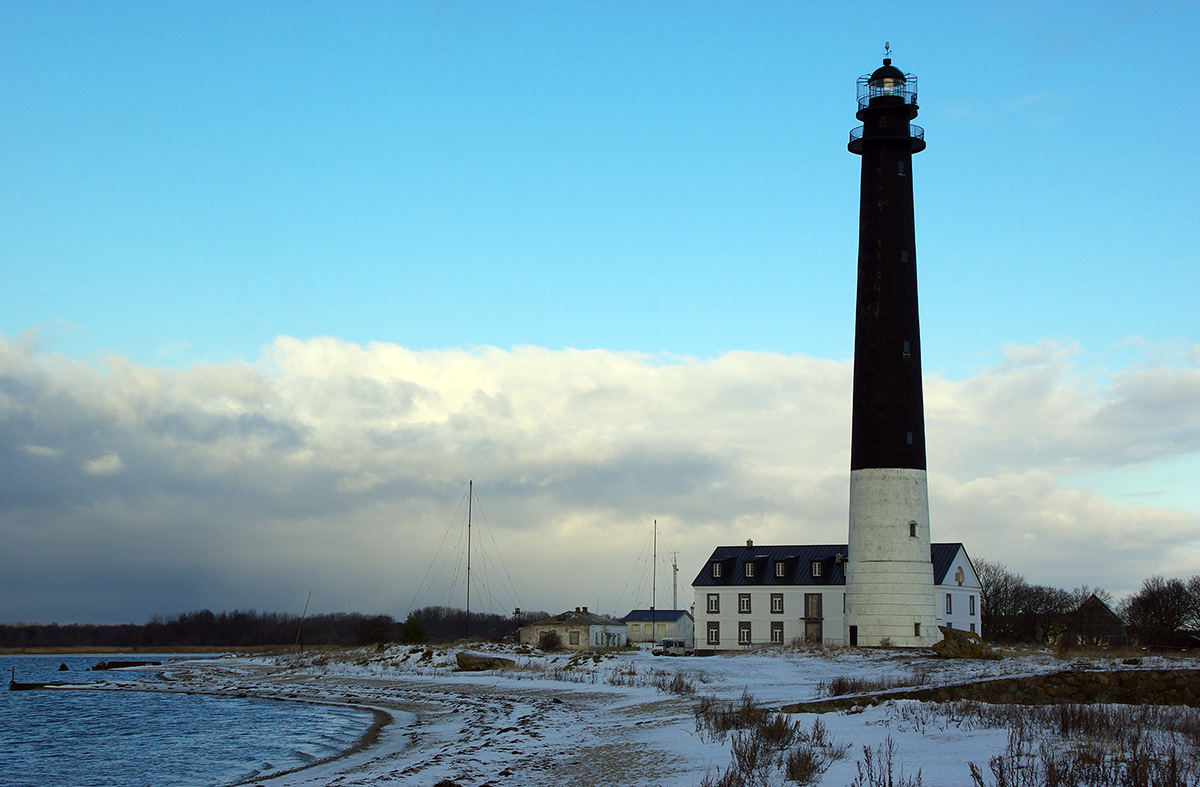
972, 628
749, 570
959, 576
662, 628
777, 602
916, 629
716, 570
816, 568
744, 632
743, 602
971, 604
777, 632
812, 606
714, 633
780, 568
949, 604
573, 638
714, 603
912, 526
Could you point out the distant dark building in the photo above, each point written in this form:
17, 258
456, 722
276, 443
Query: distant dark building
1094, 624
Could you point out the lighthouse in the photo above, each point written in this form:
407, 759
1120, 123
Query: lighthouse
889, 573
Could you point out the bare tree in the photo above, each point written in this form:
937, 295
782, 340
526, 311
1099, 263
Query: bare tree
999, 593
1084, 592
1160, 608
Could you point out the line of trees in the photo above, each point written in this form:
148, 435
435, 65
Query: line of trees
249, 628
1014, 610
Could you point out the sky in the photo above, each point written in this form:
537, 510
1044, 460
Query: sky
279, 279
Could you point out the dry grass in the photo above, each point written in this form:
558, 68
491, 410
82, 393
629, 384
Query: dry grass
843, 685
1065, 745
764, 744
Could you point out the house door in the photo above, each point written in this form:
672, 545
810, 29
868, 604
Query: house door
812, 631
812, 618
854, 636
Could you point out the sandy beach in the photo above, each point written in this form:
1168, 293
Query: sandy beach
466, 728
621, 718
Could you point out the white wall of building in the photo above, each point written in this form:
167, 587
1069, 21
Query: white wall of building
958, 596
771, 609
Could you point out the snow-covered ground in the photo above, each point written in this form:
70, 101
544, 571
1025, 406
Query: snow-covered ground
608, 719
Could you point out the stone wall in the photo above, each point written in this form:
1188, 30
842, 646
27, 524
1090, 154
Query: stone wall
1130, 687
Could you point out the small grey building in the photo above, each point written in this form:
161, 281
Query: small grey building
651, 625
577, 630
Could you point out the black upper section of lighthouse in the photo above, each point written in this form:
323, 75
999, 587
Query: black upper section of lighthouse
889, 415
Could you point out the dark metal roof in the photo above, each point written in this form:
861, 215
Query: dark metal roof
798, 560
888, 71
663, 615
943, 556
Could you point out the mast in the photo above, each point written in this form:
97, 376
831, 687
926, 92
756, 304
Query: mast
654, 587
674, 580
470, 499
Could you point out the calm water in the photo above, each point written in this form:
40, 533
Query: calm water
80, 738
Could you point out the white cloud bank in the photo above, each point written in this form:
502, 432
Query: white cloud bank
335, 467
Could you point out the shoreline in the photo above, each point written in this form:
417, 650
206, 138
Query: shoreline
382, 719
370, 737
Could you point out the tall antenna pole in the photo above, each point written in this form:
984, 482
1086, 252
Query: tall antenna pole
470, 499
654, 588
674, 580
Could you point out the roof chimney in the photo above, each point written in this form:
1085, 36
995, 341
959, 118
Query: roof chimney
584, 609
749, 543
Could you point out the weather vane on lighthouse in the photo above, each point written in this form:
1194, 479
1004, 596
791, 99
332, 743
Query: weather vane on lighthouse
887, 49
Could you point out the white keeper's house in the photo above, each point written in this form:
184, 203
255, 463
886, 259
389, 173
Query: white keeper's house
750, 596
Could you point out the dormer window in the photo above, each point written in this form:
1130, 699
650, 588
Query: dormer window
749, 571
780, 568
716, 570
816, 568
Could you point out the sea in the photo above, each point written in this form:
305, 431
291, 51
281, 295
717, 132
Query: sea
96, 738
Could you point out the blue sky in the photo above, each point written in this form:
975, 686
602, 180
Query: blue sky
186, 189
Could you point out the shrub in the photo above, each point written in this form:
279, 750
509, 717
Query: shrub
550, 640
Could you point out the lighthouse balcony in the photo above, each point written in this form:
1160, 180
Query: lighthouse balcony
899, 89
915, 134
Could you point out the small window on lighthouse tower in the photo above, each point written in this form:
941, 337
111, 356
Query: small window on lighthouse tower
908, 437
912, 529
904, 255
906, 348
900, 167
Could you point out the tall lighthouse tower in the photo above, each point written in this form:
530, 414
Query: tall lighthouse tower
889, 573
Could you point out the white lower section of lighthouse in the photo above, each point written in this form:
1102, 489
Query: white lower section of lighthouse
889, 573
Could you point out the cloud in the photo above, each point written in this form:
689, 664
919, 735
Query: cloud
108, 464
337, 467
41, 450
